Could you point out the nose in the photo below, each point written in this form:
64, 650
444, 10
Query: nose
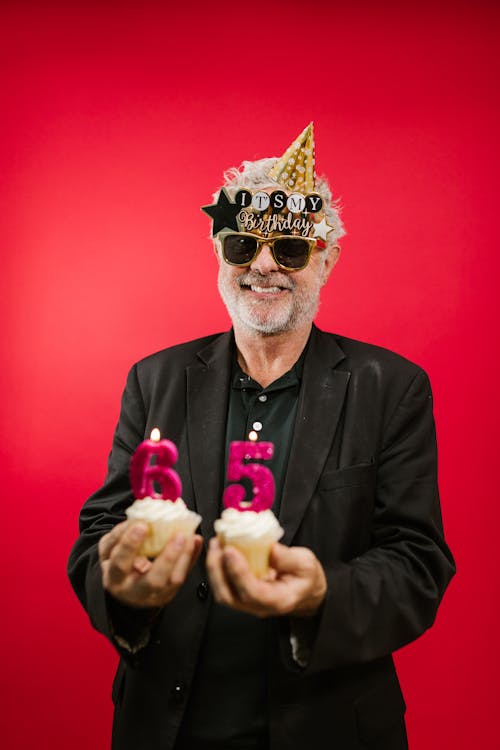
264, 262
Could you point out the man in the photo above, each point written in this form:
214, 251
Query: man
211, 656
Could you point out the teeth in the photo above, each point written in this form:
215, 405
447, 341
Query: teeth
265, 289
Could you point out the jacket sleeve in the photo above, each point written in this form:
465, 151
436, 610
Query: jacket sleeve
127, 628
389, 595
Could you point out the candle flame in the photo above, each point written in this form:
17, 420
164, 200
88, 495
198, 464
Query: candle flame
155, 434
253, 436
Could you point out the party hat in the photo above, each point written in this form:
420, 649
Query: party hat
295, 169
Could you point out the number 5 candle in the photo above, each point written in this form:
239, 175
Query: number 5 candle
255, 531
260, 476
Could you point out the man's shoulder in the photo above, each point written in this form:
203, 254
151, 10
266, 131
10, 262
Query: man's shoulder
365, 356
182, 354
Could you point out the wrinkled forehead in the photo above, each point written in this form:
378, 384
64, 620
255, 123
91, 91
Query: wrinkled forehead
268, 211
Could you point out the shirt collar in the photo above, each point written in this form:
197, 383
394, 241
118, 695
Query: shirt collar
241, 380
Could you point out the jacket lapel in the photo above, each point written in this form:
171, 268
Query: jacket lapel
320, 406
207, 400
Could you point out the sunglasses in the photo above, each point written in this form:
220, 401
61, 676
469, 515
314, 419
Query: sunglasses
289, 252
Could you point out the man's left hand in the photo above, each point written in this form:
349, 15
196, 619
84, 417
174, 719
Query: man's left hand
297, 585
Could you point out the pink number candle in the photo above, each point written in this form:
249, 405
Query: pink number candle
143, 473
261, 477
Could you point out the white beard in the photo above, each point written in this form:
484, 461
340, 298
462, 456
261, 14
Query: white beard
295, 310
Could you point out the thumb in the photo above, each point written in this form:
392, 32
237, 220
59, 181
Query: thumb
288, 559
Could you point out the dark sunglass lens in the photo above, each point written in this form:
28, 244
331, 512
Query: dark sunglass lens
291, 251
238, 248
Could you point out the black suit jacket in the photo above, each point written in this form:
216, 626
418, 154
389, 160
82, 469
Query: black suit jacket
360, 491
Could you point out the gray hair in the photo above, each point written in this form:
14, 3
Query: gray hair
253, 175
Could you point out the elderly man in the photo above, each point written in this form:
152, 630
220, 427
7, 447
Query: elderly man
212, 656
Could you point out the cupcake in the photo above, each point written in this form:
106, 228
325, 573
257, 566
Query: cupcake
252, 533
164, 512
164, 518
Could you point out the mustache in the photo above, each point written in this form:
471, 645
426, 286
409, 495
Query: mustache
276, 278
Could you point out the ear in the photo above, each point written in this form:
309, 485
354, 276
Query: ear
330, 262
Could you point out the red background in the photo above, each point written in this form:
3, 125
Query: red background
117, 121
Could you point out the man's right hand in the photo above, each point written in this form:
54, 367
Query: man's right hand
135, 580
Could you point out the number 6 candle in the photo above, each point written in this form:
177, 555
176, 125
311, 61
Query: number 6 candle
164, 513
143, 474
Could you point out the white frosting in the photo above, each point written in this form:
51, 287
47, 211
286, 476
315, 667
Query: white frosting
236, 525
157, 509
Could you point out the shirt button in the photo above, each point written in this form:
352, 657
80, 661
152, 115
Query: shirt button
257, 426
178, 693
263, 397
202, 591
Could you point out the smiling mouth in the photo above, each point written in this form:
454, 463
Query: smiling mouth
256, 286
265, 289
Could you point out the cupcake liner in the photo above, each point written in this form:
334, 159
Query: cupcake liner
256, 553
160, 532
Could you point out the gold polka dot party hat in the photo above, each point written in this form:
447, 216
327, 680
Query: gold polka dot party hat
295, 169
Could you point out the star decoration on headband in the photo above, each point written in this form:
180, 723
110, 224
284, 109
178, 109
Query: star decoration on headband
223, 213
321, 229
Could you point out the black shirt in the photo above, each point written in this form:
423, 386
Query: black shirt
227, 707
270, 412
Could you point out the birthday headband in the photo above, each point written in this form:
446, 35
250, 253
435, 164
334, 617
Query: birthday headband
298, 211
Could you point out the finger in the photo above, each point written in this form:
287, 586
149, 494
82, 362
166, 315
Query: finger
294, 560
218, 582
162, 567
271, 575
142, 564
241, 579
300, 573
125, 551
183, 564
108, 541
254, 595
